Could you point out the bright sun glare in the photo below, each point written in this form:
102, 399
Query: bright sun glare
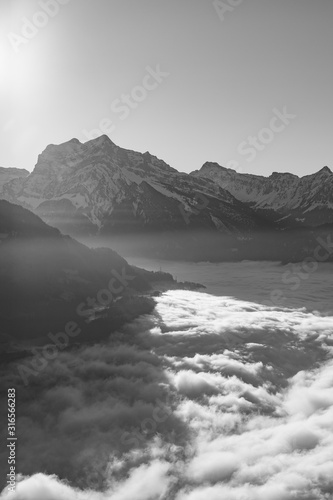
17, 72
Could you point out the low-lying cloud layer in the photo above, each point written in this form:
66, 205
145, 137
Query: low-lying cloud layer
210, 397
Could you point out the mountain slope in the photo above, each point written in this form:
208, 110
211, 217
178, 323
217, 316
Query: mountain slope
10, 174
45, 276
286, 197
98, 187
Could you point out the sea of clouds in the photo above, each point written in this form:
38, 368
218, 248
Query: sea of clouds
208, 398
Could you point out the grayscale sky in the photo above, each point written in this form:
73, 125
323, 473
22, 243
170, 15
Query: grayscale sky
225, 69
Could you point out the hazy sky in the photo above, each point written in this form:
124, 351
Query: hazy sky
223, 69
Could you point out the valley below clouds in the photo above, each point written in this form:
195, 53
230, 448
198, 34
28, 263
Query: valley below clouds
207, 397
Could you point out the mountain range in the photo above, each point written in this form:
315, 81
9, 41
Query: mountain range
282, 197
100, 190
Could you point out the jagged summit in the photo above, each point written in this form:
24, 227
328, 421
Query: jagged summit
303, 200
325, 170
68, 144
99, 141
99, 187
213, 164
279, 175
74, 141
210, 166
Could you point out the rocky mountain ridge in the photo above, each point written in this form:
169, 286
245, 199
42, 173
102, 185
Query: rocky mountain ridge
8, 174
139, 205
100, 188
283, 197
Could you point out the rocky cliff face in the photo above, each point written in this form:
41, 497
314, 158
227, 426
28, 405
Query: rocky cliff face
98, 187
10, 174
285, 197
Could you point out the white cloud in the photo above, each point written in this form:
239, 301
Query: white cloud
252, 420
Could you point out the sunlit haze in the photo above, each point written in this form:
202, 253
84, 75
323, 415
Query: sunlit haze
223, 75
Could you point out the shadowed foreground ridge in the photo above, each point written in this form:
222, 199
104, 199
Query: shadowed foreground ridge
45, 276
